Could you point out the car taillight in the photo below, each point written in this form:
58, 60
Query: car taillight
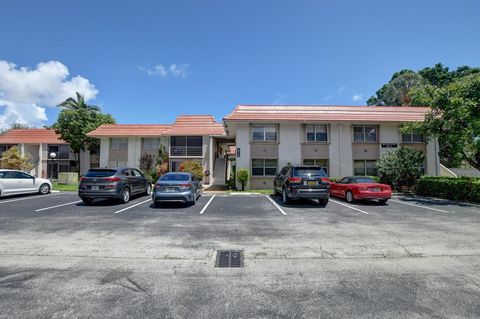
294, 179
325, 179
158, 186
185, 185
82, 179
113, 179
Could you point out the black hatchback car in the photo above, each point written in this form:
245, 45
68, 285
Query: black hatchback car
295, 182
120, 183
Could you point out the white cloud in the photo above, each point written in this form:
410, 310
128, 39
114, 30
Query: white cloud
25, 93
164, 71
357, 97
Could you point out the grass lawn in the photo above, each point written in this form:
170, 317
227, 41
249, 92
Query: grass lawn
65, 187
261, 191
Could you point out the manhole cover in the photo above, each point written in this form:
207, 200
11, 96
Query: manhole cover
229, 258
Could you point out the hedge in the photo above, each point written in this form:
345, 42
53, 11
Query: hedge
461, 188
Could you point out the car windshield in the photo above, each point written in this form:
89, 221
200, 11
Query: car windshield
175, 177
362, 180
307, 172
100, 173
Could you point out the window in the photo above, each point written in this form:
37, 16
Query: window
4, 148
264, 167
365, 168
136, 173
364, 133
412, 138
119, 144
62, 151
23, 175
422, 168
317, 133
7, 174
323, 163
186, 146
150, 144
264, 132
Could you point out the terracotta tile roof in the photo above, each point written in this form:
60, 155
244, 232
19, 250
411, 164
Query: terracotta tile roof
130, 130
31, 136
327, 113
184, 125
196, 125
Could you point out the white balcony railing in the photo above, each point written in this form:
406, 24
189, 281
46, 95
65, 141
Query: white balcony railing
186, 151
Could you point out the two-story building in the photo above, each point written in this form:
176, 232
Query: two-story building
343, 140
39, 143
191, 137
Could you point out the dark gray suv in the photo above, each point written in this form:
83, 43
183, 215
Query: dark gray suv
119, 183
294, 182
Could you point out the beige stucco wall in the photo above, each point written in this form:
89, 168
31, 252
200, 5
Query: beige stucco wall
365, 151
340, 150
261, 183
289, 148
315, 151
243, 143
263, 150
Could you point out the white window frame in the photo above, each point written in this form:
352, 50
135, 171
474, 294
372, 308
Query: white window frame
411, 141
264, 126
117, 142
325, 126
264, 168
364, 133
364, 168
150, 143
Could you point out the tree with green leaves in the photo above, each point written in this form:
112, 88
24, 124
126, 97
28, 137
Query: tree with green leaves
12, 159
395, 92
242, 177
74, 122
454, 118
78, 104
401, 167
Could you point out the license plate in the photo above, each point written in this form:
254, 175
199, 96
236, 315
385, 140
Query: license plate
375, 189
95, 188
311, 183
169, 189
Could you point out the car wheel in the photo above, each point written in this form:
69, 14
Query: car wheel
383, 201
285, 198
349, 197
148, 190
87, 201
323, 201
125, 195
44, 189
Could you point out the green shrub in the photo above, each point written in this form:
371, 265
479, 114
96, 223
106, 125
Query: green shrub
192, 167
242, 176
401, 167
463, 188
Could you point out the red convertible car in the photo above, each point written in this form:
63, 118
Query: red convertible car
360, 187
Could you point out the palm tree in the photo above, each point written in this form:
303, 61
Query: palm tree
78, 104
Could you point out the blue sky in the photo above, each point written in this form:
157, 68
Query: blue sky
152, 60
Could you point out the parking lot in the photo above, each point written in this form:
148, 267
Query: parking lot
414, 257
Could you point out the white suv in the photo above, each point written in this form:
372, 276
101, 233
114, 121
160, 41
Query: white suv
13, 182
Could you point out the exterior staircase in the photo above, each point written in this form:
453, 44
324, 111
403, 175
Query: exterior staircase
219, 172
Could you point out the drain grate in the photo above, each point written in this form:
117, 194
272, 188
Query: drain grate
229, 258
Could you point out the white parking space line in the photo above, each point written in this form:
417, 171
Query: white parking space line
137, 204
276, 205
206, 205
61, 205
26, 198
354, 208
421, 206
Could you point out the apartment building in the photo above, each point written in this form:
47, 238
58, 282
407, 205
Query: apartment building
343, 140
191, 137
39, 144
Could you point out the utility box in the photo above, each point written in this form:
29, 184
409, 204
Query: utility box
68, 178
